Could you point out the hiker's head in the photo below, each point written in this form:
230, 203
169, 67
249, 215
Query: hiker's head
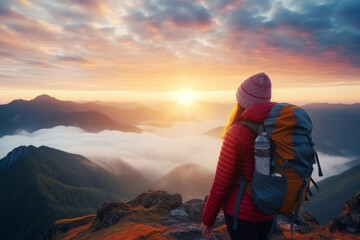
255, 89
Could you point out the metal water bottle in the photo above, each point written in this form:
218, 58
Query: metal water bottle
262, 152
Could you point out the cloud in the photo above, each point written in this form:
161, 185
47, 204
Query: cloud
309, 28
94, 6
74, 59
32, 31
169, 20
224, 6
64, 14
331, 165
159, 43
151, 153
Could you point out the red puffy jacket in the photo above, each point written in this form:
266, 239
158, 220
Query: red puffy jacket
237, 155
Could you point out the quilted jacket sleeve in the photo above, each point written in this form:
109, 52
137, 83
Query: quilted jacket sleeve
232, 150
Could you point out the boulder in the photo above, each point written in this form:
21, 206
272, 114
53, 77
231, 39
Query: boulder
109, 214
159, 199
304, 223
349, 219
194, 208
191, 231
64, 226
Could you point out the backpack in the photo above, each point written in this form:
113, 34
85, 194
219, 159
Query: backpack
292, 156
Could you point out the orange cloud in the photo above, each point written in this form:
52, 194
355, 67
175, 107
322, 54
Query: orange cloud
164, 45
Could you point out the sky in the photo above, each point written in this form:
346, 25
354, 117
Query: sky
143, 50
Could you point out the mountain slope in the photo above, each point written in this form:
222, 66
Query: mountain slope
91, 121
334, 191
335, 126
40, 185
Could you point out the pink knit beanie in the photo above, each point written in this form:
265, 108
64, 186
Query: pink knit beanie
255, 89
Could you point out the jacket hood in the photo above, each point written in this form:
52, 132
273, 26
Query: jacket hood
257, 113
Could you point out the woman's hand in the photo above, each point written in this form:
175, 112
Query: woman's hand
205, 230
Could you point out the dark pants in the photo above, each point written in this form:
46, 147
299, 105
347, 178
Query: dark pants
248, 230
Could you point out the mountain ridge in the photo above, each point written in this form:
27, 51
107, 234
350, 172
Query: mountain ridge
45, 111
334, 191
43, 184
122, 113
12, 157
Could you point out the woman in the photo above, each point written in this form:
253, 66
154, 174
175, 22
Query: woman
237, 157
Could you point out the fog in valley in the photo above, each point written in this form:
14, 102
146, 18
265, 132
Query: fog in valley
180, 158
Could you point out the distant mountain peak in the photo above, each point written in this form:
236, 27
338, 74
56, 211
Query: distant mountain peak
44, 97
13, 157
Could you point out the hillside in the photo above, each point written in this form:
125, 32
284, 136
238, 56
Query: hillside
90, 121
334, 127
40, 185
334, 191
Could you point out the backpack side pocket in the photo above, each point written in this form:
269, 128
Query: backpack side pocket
268, 192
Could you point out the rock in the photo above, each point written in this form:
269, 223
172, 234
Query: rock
110, 206
64, 226
160, 199
115, 218
184, 232
191, 231
220, 219
195, 208
178, 212
177, 215
349, 219
171, 221
304, 223
109, 214
325, 237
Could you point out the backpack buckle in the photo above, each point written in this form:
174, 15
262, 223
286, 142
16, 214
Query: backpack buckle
287, 164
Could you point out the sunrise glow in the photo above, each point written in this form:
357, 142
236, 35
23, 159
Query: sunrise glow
186, 97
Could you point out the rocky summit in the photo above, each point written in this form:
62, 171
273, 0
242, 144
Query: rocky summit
151, 215
159, 215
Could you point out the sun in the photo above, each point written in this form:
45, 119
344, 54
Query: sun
186, 97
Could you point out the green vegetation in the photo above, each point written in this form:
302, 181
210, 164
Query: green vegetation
329, 202
48, 184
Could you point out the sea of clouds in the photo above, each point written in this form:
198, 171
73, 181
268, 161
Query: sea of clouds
154, 152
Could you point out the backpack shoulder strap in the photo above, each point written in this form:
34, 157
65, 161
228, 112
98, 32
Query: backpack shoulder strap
252, 125
237, 202
318, 164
